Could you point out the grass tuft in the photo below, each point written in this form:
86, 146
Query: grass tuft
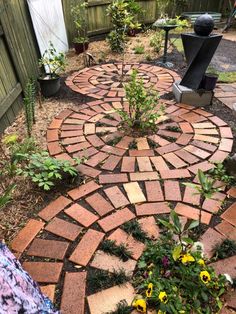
120, 251
122, 308
133, 227
226, 249
99, 279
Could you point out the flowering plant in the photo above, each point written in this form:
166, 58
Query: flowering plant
174, 277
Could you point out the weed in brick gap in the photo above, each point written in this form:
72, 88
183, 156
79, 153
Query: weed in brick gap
152, 144
173, 128
114, 141
133, 227
219, 172
133, 145
122, 308
99, 279
108, 116
226, 249
120, 251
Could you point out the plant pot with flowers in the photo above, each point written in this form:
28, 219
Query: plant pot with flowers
54, 63
79, 13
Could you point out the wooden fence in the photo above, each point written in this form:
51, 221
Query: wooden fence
18, 57
19, 51
99, 23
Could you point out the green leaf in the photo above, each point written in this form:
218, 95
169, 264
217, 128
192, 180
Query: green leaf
204, 296
167, 224
193, 224
175, 219
176, 252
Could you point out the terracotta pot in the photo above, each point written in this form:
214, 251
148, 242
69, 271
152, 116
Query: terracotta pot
81, 47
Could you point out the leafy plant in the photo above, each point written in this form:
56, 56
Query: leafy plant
44, 170
173, 277
6, 196
225, 249
133, 227
206, 187
53, 61
142, 112
121, 250
139, 50
157, 40
29, 105
219, 172
16, 150
120, 18
79, 14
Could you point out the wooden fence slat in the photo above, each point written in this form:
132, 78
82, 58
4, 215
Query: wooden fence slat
9, 100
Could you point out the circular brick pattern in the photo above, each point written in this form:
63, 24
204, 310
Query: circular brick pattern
104, 81
127, 179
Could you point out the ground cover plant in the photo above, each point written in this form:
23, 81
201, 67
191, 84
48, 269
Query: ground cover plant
174, 277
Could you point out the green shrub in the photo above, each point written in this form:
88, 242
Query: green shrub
79, 14
116, 40
139, 50
156, 41
142, 105
44, 170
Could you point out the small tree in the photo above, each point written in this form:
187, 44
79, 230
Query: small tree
79, 13
120, 19
143, 112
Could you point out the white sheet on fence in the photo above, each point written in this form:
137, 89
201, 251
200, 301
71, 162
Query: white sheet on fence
49, 25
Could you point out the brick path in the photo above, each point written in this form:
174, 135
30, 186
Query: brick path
226, 93
123, 182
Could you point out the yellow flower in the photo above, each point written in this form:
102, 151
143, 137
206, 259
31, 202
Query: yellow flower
201, 262
187, 258
163, 297
140, 305
149, 290
205, 276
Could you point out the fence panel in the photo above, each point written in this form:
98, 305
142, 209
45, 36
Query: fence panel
18, 57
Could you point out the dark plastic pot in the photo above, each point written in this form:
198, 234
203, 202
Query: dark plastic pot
209, 81
80, 47
49, 86
132, 32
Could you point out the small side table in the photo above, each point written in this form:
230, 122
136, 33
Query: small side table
167, 29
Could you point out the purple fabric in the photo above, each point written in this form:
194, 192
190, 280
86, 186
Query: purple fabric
19, 293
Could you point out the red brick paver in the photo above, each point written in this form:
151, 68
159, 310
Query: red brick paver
73, 295
81, 214
48, 248
26, 235
115, 220
63, 229
54, 208
47, 272
86, 247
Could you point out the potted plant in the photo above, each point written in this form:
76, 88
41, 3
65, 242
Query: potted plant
81, 41
53, 63
134, 10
